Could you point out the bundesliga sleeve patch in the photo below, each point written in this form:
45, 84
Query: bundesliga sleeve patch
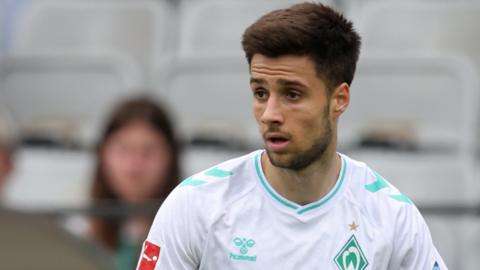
150, 256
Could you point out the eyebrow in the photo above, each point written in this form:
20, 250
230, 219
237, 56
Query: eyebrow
291, 83
258, 81
282, 82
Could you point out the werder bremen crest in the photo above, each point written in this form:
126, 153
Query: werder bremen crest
351, 256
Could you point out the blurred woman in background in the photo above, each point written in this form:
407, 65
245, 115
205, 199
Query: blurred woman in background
137, 164
8, 145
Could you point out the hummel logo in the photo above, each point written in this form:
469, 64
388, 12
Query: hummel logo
244, 244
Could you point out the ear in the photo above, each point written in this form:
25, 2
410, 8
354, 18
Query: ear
340, 99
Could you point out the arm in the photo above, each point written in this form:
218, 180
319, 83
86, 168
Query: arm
413, 248
169, 245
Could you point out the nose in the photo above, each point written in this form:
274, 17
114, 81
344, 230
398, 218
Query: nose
272, 113
136, 157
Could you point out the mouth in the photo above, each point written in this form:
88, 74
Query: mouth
276, 142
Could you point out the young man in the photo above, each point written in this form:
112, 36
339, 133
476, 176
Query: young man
298, 204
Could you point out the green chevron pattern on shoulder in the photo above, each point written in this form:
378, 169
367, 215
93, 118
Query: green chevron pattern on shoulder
192, 182
215, 172
380, 183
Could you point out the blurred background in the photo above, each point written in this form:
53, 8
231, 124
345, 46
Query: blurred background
106, 104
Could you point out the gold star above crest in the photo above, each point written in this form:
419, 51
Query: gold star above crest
353, 226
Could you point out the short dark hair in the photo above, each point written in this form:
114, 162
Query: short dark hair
310, 29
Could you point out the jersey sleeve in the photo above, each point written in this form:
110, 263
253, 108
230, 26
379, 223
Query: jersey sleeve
414, 248
170, 244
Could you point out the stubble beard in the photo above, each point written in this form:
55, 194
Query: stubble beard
315, 153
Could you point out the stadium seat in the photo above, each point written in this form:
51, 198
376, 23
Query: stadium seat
212, 99
429, 102
426, 26
3, 27
196, 159
412, 118
454, 237
471, 246
428, 179
47, 179
215, 27
141, 30
432, 28
64, 96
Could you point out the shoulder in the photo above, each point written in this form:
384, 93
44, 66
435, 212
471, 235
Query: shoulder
218, 185
391, 211
194, 204
221, 177
375, 195
222, 173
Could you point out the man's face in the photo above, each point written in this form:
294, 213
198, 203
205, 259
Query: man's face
292, 110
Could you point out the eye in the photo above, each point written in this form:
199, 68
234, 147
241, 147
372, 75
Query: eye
293, 94
260, 94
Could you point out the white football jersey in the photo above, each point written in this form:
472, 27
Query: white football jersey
229, 217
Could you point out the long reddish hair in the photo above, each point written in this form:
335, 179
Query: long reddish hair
107, 230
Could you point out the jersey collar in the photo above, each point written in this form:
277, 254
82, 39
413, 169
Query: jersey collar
299, 209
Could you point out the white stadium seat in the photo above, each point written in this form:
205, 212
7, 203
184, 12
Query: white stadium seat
428, 179
216, 27
429, 103
426, 26
47, 179
212, 98
433, 100
197, 159
434, 28
471, 246
140, 30
454, 238
68, 94
3, 23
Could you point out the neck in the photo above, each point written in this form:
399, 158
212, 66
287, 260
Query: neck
307, 185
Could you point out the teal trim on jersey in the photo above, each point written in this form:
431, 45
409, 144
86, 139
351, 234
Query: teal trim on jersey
216, 172
267, 186
192, 182
299, 209
335, 190
380, 183
401, 198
